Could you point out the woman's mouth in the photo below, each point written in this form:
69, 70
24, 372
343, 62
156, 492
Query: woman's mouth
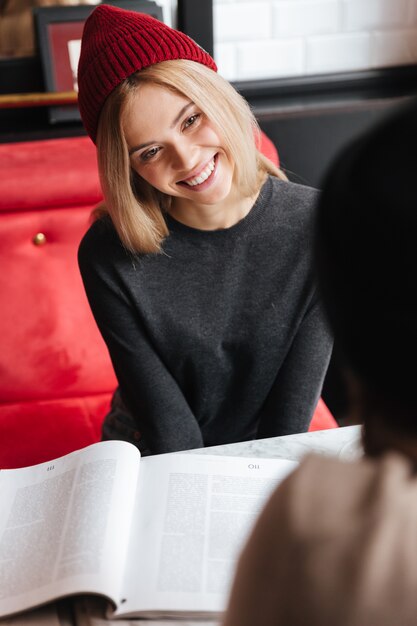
203, 176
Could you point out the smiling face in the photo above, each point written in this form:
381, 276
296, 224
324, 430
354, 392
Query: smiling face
176, 149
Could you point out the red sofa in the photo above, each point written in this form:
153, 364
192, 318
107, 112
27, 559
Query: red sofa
56, 378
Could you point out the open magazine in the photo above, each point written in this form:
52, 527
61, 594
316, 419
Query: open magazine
157, 536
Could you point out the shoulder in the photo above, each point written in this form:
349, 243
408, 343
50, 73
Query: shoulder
286, 216
294, 196
327, 508
339, 532
100, 231
323, 492
100, 243
290, 204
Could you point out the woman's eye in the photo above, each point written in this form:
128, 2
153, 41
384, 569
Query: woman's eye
191, 120
145, 156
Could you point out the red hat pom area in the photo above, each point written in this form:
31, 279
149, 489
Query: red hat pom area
117, 43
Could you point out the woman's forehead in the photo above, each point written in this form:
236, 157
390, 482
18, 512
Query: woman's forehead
151, 99
152, 108
156, 91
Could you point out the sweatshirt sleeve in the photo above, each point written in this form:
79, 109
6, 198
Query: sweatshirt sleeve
155, 400
293, 398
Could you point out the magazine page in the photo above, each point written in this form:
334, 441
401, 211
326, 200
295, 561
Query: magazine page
193, 515
64, 525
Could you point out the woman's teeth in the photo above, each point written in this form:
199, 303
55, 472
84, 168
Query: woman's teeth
202, 176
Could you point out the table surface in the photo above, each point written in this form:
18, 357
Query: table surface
344, 443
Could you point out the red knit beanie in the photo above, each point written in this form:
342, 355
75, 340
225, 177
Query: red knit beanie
117, 43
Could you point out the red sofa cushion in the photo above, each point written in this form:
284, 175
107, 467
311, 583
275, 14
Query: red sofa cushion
56, 173
51, 347
267, 147
38, 431
56, 375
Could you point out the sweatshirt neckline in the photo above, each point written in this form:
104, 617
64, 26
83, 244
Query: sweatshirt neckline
241, 226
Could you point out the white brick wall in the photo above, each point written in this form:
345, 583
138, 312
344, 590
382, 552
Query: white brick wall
278, 58
374, 14
278, 38
169, 11
305, 18
343, 52
243, 21
395, 48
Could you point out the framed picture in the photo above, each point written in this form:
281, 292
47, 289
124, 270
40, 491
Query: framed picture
59, 30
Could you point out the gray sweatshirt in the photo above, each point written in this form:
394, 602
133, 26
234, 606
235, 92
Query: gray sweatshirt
219, 339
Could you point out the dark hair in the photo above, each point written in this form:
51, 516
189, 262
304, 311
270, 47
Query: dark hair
366, 253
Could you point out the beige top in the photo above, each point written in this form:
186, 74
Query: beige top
335, 546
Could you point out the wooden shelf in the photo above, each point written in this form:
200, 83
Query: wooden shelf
26, 100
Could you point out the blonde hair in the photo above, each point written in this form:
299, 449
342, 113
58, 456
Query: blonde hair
135, 207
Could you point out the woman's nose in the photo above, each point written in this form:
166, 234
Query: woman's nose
184, 155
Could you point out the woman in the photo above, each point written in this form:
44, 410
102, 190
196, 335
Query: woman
198, 273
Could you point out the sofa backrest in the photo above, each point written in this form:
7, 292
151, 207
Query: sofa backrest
51, 345
56, 377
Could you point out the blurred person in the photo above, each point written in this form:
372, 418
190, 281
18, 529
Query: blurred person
336, 545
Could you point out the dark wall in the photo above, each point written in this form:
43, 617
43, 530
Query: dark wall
308, 139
